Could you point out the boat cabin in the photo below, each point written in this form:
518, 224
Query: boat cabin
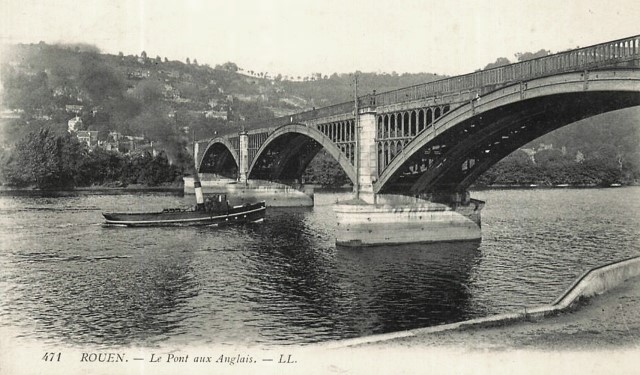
214, 203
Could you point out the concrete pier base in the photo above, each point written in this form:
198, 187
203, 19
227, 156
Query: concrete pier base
274, 194
396, 219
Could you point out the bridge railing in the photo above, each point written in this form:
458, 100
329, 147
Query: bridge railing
600, 55
315, 113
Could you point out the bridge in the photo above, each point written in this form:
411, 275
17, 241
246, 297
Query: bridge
432, 141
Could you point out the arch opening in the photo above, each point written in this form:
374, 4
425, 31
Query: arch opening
219, 160
457, 156
285, 156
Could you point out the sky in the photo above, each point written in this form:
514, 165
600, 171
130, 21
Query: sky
298, 37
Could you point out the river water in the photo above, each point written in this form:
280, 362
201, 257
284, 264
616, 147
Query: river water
66, 279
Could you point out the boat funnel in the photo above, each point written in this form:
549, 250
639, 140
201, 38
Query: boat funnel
198, 190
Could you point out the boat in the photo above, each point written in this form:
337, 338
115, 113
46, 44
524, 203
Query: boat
214, 211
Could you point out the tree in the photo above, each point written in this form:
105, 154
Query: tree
121, 110
46, 160
515, 169
524, 56
98, 79
157, 170
232, 67
100, 167
147, 91
188, 61
500, 61
326, 171
548, 157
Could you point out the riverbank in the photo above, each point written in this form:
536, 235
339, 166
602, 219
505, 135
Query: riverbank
596, 335
610, 321
176, 188
557, 186
582, 318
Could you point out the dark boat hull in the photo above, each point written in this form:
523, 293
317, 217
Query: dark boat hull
249, 213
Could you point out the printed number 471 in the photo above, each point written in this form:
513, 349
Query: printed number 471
51, 357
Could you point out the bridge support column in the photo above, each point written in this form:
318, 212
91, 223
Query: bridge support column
367, 155
243, 168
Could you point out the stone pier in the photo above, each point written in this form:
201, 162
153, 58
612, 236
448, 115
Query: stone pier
379, 219
401, 220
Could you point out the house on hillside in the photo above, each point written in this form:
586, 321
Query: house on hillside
222, 115
123, 143
138, 74
170, 93
173, 74
113, 142
180, 100
96, 110
531, 153
248, 98
74, 124
88, 137
7, 114
73, 108
544, 147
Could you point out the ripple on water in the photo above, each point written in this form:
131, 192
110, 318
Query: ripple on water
284, 281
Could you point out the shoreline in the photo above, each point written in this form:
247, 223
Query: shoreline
170, 188
590, 301
180, 187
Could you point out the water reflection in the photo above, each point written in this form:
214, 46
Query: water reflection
293, 277
321, 292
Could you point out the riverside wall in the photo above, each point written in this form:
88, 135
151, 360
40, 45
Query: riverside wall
598, 280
